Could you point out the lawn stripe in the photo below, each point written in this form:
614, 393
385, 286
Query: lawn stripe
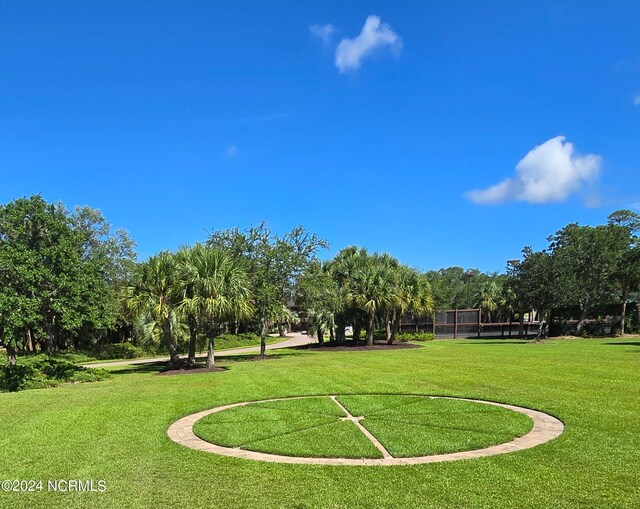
356, 421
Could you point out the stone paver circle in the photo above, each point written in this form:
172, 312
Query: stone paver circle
545, 428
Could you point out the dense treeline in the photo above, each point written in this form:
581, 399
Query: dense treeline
61, 276
68, 280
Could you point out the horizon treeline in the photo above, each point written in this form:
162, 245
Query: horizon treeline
70, 281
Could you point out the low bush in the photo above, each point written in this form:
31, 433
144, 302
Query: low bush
119, 351
43, 371
380, 335
414, 336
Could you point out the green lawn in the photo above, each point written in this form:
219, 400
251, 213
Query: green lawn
419, 426
405, 425
115, 431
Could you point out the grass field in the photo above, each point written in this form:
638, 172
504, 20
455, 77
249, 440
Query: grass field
405, 425
115, 431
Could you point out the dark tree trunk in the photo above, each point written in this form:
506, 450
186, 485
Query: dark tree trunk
394, 327
623, 311
356, 333
319, 335
521, 325
340, 334
193, 338
11, 355
370, 325
263, 338
332, 336
583, 317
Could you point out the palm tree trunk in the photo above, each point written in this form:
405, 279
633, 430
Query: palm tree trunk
211, 351
320, 335
191, 359
387, 319
174, 358
394, 327
356, 333
370, 326
263, 338
340, 331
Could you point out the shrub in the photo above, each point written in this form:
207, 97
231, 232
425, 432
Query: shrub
39, 372
119, 351
414, 336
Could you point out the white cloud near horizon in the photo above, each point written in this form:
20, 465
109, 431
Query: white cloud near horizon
375, 36
323, 32
548, 173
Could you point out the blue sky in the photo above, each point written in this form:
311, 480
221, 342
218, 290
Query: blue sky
175, 118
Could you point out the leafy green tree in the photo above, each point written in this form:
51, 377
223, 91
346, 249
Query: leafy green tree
55, 291
627, 273
274, 263
585, 263
533, 284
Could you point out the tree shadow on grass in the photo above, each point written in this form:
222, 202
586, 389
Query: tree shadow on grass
624, 343
500, 342
225, 363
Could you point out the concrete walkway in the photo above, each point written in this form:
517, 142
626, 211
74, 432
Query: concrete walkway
545, 428
295, 339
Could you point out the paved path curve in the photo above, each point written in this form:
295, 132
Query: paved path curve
545, 428
295, 339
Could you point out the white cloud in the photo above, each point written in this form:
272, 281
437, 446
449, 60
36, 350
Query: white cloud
636, 100
375, 36
549, 173
232, 151
324, 32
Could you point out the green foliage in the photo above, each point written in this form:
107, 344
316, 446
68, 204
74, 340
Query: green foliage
38, 372
274, 264
119, 351
59, 274
415, 336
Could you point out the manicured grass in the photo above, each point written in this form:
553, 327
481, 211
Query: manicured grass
299, 427
115, 430
405, 425
414, 426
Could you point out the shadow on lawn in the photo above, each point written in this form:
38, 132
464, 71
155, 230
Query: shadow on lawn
624, 343
225, 363
499, 342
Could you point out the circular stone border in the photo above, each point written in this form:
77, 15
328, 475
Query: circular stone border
545, 428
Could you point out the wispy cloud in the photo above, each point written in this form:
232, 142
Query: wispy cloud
323, 32
548, 173
374, 37
232, 151
636, 100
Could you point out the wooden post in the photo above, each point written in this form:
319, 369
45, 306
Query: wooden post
455, 324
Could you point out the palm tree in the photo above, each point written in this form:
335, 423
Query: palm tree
153, 295
413, 295
214, 289
372, 289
